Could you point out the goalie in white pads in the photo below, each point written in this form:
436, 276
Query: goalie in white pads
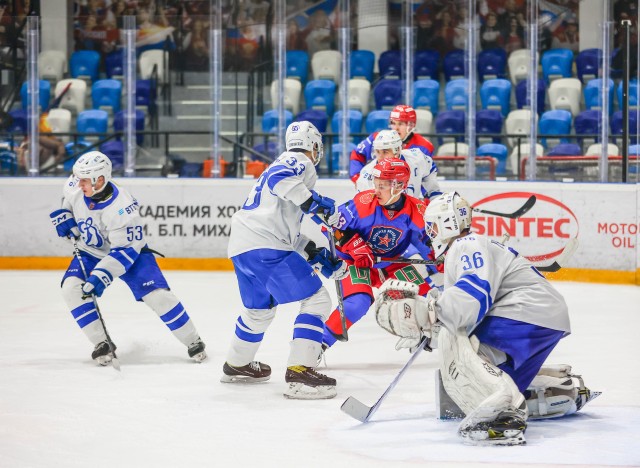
496, 321
270, 260
104, 219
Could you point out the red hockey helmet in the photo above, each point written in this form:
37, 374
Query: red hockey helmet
403, 113
395, 170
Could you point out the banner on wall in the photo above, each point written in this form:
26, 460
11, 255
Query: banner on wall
192, 218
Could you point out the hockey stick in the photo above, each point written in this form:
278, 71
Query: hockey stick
344, 336
411, 261
561, 260
358, 410
516, 214
114, 362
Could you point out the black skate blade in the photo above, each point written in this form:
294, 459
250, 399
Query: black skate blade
356, 409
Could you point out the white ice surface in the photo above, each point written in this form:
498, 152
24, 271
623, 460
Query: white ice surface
58, 409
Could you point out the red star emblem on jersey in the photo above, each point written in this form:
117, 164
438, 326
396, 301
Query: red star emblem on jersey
384, 240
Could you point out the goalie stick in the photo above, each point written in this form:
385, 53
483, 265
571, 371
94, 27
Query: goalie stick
516, 214
561, 260
114, 362
358, 410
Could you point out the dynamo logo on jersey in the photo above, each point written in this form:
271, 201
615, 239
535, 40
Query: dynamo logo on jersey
90, 233
384, 238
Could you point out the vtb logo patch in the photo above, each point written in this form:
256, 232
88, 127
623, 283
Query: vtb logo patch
384, 238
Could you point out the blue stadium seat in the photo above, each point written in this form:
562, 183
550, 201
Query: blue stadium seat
114, 149
499, 152
588, 122
588, 63
557, 63
361, 64
616, 125
633, 94
388, 93
270, 120
145, 94
8, 162
44, 94
333, 162
426, 65
448, 122
390, 64
321, 95
456, 95
269, 149
488, 121
521, 95
317, 117
107, 94
18, 121
565, 149
377, 120
492, 64
426, 95
84, 64
554, 122
114, 64
354, 123
593, 96
453, 65
297, 65
92, 121
496, 94
634, 150
118, 124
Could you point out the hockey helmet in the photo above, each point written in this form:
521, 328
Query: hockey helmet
388, 139
397, 172
446, 217
403, 113
92, 165
305, 136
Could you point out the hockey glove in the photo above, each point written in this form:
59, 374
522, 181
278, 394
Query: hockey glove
360, 251
65, 223
317, 204
96, 283
333, 269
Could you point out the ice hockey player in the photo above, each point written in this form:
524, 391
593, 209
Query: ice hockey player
383, 222
104, 219
270, 259
403, 120
423, 180
498, 320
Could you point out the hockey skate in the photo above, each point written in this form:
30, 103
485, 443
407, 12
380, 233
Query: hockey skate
196, 350
304, 383
507, 429
253, 372
102, 353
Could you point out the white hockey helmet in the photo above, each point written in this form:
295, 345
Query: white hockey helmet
92, 165
446, 217
304, 135
388, 139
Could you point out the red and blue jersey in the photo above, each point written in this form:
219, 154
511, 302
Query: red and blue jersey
389, 232
364, 152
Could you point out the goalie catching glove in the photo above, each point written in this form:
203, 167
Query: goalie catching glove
402, 312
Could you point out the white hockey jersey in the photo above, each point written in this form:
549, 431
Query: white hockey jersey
111, 229
271, 216
482, 278
424, 175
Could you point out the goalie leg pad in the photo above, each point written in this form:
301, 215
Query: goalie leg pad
250, 327
485, 393
556, 392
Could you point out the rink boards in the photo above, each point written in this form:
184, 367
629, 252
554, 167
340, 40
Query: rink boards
189, 221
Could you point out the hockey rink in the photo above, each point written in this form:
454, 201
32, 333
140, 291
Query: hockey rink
59, 409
